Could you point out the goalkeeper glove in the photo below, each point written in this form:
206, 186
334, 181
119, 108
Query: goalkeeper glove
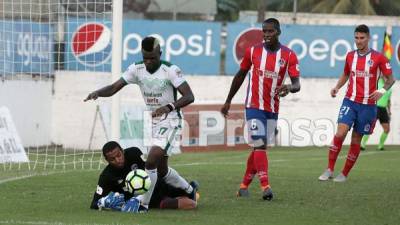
133, 205
113, 200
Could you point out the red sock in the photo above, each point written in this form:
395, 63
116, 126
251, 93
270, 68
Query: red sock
352, 156
334, 151
261, 165
250, 171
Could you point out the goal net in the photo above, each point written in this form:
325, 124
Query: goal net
48, 51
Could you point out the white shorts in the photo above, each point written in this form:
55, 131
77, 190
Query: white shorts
167, 134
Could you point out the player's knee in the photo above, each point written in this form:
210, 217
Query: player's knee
342, 131
150, 165
151, 162
356, 139
386, 129
162, 170
187, 204
260, 147
341, 134
154, 157
258, 141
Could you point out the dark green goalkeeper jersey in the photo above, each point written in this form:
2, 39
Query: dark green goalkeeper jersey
113, 179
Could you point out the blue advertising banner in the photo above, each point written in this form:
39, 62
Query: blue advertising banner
26, 47
193, 46
321, 50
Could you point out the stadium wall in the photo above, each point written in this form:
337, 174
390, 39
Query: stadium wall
301, 116
45, 114
30, 105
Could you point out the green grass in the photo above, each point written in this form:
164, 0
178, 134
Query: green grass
61, 195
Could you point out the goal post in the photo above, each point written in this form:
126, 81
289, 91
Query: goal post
116, 65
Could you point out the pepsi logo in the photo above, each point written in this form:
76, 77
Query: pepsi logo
91, 44
245, 39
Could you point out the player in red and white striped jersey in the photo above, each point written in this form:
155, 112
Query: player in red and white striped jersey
267, 72
358, 110
267, 64
363, 79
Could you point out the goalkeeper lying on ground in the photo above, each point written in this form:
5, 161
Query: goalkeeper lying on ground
111, 192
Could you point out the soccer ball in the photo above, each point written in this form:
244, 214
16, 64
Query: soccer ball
137, 182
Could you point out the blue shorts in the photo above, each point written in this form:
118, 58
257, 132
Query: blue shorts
261, 126
361, 117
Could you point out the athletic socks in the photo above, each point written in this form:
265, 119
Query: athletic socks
364, 141
261, 166
250, 171
145, 198
382, 140
175, 180
381, 144
334, 151
352, 156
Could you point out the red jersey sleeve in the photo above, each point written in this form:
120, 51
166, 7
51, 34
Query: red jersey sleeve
384, 66
293, 65
347, 68
246, 61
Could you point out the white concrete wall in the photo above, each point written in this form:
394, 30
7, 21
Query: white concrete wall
30, 104
73, 119
63, 118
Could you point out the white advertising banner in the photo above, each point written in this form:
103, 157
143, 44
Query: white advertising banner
11, 148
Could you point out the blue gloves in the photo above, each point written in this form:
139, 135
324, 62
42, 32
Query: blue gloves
113, 200
133, 205
116, 201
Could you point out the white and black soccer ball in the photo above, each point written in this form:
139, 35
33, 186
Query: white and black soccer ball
137, 182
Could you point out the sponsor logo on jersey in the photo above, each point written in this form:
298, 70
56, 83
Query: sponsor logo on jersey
151, 94
99, 190
178, 72
282, 62
267, 73
155, 84
361, 73
388, 66
91, 44
134, 166
152, 101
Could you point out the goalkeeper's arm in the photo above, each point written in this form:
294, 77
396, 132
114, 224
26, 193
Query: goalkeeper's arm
102, 190
96, 198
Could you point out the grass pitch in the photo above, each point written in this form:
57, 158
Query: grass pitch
46, 194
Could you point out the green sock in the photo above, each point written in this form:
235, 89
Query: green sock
364, 141
382, 140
